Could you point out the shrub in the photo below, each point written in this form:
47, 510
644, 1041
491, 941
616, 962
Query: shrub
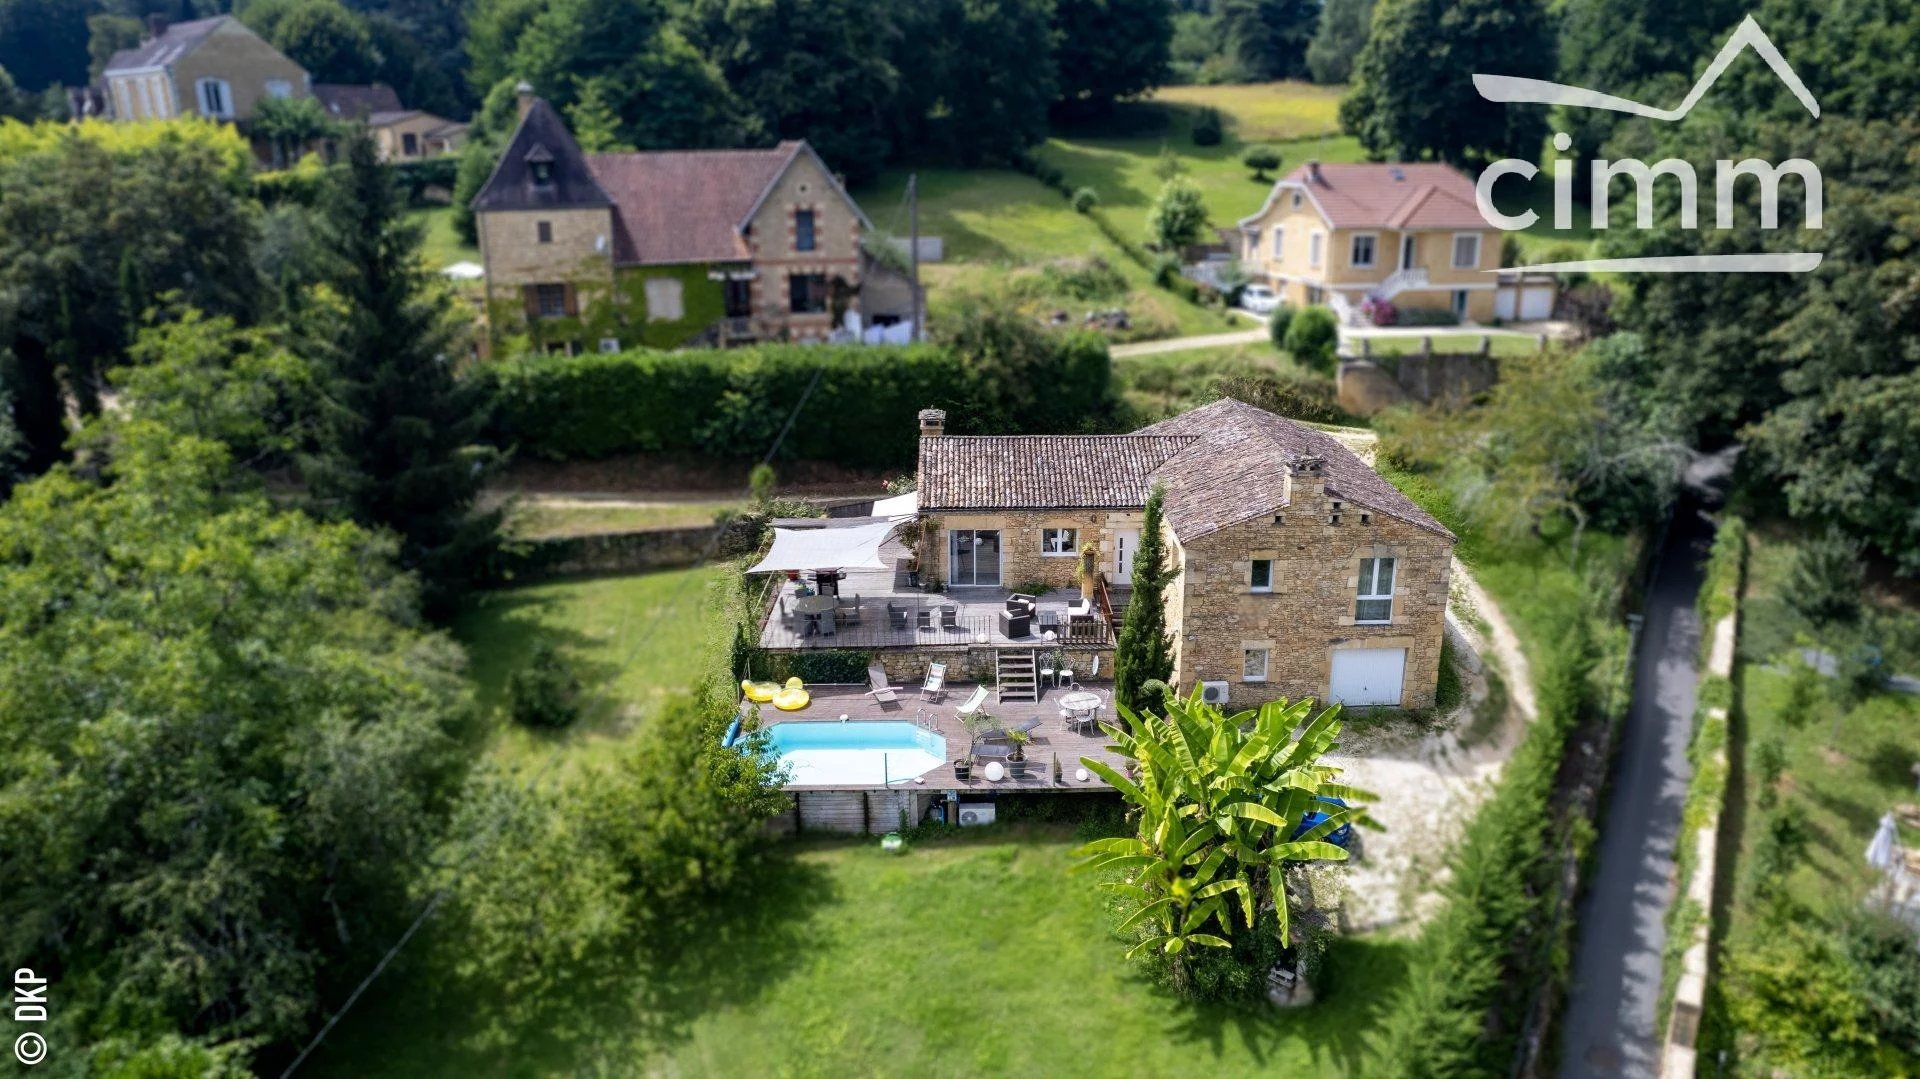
1208, 128
1262, 160
1277, 324
1178, 215
1085, 199
1313, 336
1314, 400
545, 692
1091, 278
1424, 316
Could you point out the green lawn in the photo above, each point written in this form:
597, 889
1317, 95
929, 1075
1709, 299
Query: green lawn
540, 520
634, 639
966, 956
441, 245
1444, 340
1163, 383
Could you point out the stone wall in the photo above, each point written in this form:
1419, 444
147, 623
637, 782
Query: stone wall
1021, 560
977, 663
1366, 387
1308, 615
836, 250
628, 552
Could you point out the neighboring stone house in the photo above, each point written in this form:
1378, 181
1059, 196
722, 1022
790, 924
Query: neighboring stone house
214, 68
1298, 570
1409, 233
400, 133
605, 251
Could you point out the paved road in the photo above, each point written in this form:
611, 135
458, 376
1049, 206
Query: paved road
1610, 1021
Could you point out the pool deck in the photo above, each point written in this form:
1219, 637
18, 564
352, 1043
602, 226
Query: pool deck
1050, 740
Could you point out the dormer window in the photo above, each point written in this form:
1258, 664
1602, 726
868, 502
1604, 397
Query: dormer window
540, 166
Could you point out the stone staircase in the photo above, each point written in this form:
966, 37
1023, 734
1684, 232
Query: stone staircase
1015, 670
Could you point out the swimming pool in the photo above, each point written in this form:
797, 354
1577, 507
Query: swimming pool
855, 754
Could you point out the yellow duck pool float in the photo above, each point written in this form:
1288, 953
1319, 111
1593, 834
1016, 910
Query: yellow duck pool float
758, 692
793, 697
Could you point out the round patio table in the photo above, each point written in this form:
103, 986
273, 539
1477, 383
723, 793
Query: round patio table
1080, 701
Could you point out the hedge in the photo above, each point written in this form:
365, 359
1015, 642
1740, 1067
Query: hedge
733, 403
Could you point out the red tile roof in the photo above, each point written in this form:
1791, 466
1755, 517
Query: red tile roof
977, 472
1399, 195
685, 205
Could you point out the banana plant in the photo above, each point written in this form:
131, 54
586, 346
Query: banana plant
1217, 799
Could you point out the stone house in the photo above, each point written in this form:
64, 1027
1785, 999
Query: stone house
605, 251
1409, 233
1297, 571
214, 68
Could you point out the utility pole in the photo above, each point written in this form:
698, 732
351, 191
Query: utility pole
913, 254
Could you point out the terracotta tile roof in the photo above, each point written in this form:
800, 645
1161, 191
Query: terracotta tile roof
686, 205
1237, 470
357, 102
176, 41
961, 472
1417, 194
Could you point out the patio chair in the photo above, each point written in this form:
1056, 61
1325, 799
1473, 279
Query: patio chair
1067, 675
975, 703
849, 610
926, 619
786, 616
949, 616
935, 687
879, 690
896, 617
1047, 666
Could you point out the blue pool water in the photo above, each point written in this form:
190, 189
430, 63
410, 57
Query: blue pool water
855, 754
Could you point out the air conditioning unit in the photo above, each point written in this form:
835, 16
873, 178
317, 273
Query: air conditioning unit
975, 813
1213, 692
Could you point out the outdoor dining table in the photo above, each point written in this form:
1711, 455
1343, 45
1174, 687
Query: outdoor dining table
1081, 705
811, 608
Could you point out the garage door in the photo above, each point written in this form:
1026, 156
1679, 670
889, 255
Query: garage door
1503, 305
1367, 676
1536, 303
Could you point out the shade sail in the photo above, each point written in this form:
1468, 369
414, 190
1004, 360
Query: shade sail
898, 506
857, 547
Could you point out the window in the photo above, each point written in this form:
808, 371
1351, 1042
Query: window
1314, 246
1055, 542
1261, 577
409, 144
1409, 249
807, 293
803, 230
1296, 200
1279, 238
1253, 664
1375, 601
216, 98
550, 301
664, 300
1363, 250
1459, 303
609, 344
279, 88
543, 230
1466, 251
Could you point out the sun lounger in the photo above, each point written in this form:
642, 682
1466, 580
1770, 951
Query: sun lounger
975, 702
935, 687
881, 692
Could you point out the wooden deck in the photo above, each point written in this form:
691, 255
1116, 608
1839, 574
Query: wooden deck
1051, 740
975, 610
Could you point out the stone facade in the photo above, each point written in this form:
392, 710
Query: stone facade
1309, 612
1022, 559
772, 236
578, 254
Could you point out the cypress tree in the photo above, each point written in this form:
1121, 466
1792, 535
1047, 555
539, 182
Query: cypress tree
397, 443
1145, 652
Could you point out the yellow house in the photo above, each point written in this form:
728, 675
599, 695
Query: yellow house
1406, 233
215, 68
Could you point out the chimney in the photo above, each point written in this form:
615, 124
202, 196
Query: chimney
933, 422
156, 26
1306, 483
523, 90
1313, 172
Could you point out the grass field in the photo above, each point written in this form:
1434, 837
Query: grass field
441, 245
540, 520
964, 956
1165, 383
1446, 341
634, 639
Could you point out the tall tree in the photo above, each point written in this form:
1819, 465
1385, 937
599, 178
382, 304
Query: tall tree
980, 87
1109, 50
331, 42
1413, 94
1337, 39
108, 34
44, 42
1268, 38
1620, 46
1144, 652
397, 447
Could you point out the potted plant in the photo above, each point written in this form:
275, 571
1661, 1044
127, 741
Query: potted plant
1017, 763
963, 769
1089, 573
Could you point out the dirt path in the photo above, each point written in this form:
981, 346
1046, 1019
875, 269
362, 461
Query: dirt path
1431, 784
1184, 344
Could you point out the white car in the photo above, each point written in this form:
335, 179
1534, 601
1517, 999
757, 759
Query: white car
1259, 299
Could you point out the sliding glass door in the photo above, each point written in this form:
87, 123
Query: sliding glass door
973, 556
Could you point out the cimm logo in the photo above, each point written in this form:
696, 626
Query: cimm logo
1514, 90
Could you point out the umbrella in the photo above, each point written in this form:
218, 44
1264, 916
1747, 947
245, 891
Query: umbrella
1880, 852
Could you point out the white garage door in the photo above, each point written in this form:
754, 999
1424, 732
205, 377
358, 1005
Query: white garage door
1503, 305
1367, 676
1536, 304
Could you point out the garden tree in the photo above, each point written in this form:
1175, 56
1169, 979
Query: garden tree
331, 42
290, 124
981, 85
1178, 216
248, 737
108, 34
1108, 50
1020, 376
1262, 160
15, 103
1624, 47
43, 43
591, 118
1413, 95
1217, 800
1197, 49
10, 441
99, 223
432, 34
820, 70
1828, 579
1313, 336
1267, 39
396, 446
1144, 651
1337, 39
209, 379
493, 33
